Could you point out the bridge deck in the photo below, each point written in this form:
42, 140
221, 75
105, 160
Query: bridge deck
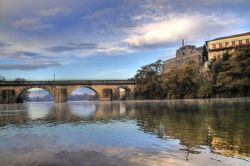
67, 82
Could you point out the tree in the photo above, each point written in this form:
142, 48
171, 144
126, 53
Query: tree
149, 80
187, 81
204, 53
205, 90
228, 76
231, 73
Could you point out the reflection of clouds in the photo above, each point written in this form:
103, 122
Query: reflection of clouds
99, 110
38, 110
61, 112
83, 109
111, 156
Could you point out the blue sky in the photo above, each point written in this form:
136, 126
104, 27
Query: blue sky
106, 39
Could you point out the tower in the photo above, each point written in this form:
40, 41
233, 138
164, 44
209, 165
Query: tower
183, 42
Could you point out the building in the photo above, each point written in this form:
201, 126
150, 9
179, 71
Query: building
219, 46
184, 55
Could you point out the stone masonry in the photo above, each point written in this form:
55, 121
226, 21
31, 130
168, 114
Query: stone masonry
184, 55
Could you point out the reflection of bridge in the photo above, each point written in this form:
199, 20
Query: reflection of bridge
66, 112
106, 90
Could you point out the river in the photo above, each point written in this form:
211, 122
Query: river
173, 132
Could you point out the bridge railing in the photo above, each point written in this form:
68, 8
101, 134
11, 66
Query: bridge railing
67, 82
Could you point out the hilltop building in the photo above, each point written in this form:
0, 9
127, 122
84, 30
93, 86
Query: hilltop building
184, 54
219, 46
215, 48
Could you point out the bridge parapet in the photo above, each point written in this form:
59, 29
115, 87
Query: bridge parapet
69, 82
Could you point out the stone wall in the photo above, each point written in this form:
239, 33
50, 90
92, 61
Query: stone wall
184, 55
187, 51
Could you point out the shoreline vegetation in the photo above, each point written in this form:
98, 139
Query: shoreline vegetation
225, 77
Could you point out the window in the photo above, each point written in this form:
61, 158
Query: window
226, 44
214, 46
233, 43
240, 42
220, 45
247, 41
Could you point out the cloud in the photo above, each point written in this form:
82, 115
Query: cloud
115, 49
72, 47
108, 28
21, 55
4, 45
27, 60
174, 27
27, 56
55, 11
28, 66
30, 24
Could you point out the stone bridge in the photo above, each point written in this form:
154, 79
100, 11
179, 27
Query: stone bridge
106, 90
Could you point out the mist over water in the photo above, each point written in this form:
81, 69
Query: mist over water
174, 132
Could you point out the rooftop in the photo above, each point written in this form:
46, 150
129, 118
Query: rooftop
236, 35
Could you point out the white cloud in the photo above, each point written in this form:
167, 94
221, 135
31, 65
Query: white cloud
55, 11
174, 27
117, 50
30, 24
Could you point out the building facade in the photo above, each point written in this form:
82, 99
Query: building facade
184, 55
219, 46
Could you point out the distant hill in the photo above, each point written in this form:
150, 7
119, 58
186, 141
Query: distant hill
39, 96
81, 97
38, 93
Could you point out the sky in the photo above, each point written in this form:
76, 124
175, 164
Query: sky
106, 39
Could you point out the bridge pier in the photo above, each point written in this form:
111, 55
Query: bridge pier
8, 96
60, 95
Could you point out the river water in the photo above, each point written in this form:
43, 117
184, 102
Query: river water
175, 132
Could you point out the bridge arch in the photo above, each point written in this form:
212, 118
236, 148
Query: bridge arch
22, 92
123, 92
80, 89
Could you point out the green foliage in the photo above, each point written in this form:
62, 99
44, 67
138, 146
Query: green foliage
231, 73
204, 53
229, 76
187, 81
150, 81
205, 90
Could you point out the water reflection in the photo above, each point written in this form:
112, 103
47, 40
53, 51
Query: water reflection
13, 114
221, 126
